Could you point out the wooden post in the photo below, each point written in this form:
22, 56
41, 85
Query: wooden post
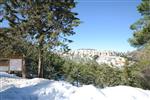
23, 67
9, 67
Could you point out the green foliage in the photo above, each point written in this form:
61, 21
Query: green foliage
44, 23
145, 78
141, 66
53, 66
79, 73
99, 75
141, 34
142, 78
141, 38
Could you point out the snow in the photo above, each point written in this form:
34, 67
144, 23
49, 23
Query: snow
15, 88
3, 74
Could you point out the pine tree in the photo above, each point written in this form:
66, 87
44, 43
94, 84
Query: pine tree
141, 28
45, 23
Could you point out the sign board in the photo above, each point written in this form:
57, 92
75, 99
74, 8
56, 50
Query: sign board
4, 65
15, 64
4, 68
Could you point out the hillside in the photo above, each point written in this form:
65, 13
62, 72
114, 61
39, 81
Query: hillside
111, 58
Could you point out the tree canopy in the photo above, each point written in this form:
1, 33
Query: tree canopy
141, 28
43, 23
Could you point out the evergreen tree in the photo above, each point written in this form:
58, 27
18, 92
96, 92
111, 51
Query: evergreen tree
13, 45
141, 28
45, 23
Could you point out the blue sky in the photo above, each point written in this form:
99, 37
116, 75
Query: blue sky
105, 24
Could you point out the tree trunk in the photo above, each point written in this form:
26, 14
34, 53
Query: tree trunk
40, 57
23, 67
40, 67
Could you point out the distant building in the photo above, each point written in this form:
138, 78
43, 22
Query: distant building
110, 58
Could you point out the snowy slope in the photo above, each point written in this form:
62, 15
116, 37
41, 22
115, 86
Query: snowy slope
15, 88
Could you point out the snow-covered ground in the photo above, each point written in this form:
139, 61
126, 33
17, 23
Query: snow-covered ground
15, 88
